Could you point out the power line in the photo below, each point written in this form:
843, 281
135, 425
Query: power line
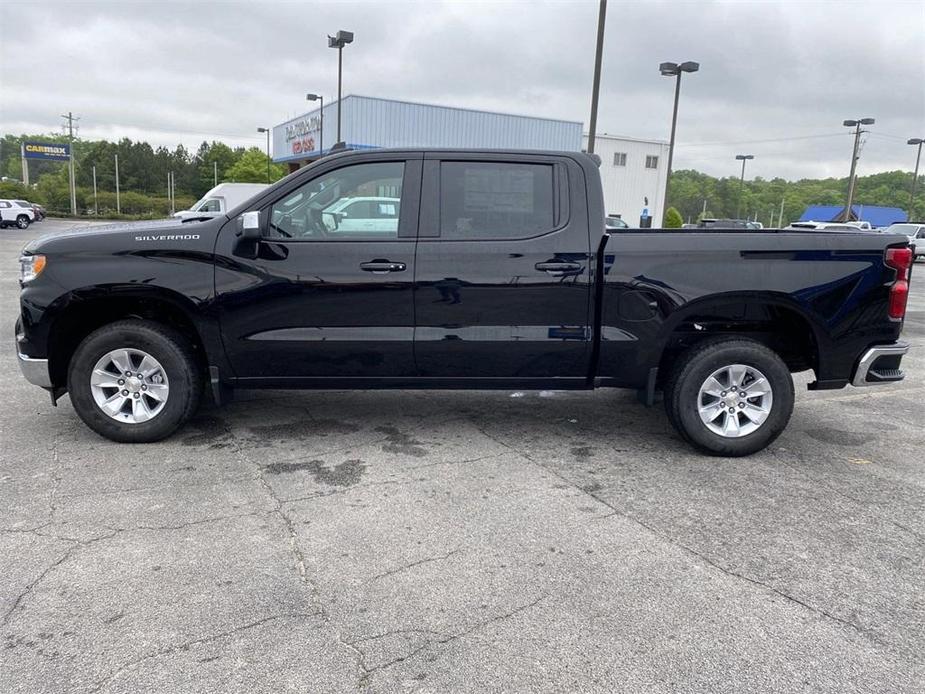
757, 142
172, 131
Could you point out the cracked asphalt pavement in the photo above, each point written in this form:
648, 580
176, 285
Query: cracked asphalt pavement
459, 542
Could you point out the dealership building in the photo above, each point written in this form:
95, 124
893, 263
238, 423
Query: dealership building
632, 170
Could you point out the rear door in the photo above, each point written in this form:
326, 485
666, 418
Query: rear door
320, 301
503, 276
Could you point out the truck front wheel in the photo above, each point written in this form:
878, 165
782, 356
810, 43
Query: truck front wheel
134, 381
729, 396
22, 221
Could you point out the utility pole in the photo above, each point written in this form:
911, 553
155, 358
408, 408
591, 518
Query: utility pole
780, 217
856, 124
70, 118
596, 85
96, 204
118, 202
703, 212
214, 173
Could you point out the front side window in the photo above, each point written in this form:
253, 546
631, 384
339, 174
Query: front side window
210, 205
484, 200
359, 202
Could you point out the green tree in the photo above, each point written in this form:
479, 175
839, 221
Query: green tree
251, 167
673, 219
211, 158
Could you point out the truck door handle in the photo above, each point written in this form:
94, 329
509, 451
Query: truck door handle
382, 266
558, 267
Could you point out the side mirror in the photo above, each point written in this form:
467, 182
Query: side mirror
249, 225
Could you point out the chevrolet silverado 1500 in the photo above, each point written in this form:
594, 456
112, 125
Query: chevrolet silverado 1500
482, 269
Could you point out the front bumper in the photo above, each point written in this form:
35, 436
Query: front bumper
880, 365
35, 370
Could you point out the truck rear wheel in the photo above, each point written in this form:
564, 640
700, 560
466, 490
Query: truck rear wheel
729, 396
134, 381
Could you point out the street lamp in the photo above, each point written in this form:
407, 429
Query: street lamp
915, 177
267, 131
744, 158
318, 97
338, 41
674, 70
856, 124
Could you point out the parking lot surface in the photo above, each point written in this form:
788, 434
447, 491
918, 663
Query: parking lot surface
460, 542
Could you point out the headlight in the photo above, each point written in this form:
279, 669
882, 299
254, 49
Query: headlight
30, 267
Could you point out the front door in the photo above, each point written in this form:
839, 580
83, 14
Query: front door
329, 293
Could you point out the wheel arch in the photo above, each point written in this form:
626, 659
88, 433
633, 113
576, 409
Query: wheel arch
773, 319
86, 310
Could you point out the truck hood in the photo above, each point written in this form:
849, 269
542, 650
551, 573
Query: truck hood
129, 236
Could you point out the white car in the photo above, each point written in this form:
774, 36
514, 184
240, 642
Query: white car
13, 214
221, 199
363, 214
912, 231
823, 226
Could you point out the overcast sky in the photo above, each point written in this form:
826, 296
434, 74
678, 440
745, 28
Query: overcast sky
777, 78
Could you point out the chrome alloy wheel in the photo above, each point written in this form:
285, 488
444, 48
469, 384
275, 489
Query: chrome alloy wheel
129, 385
735, 400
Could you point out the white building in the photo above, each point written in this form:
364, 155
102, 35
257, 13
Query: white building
632, 171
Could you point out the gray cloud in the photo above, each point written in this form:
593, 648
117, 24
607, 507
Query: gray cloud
777, 77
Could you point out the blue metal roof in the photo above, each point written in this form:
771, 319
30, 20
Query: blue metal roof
877, 216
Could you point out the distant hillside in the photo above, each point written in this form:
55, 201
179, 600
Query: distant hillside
725, 197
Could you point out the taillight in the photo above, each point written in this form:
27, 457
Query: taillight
900, 259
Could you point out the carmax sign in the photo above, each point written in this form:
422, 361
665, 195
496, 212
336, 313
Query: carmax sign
49, 151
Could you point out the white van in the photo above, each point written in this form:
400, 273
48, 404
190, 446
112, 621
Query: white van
223, 197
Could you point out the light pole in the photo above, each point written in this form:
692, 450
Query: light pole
744, 158
338, 41
856, 124
596, 86
318, 97
915, 177
267, 131
674, 70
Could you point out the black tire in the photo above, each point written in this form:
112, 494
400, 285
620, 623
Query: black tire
22, 221
694, 367
168, 347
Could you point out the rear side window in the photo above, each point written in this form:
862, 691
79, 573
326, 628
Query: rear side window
487, 200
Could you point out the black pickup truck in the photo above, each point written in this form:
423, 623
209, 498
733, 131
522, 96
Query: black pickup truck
455, 269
